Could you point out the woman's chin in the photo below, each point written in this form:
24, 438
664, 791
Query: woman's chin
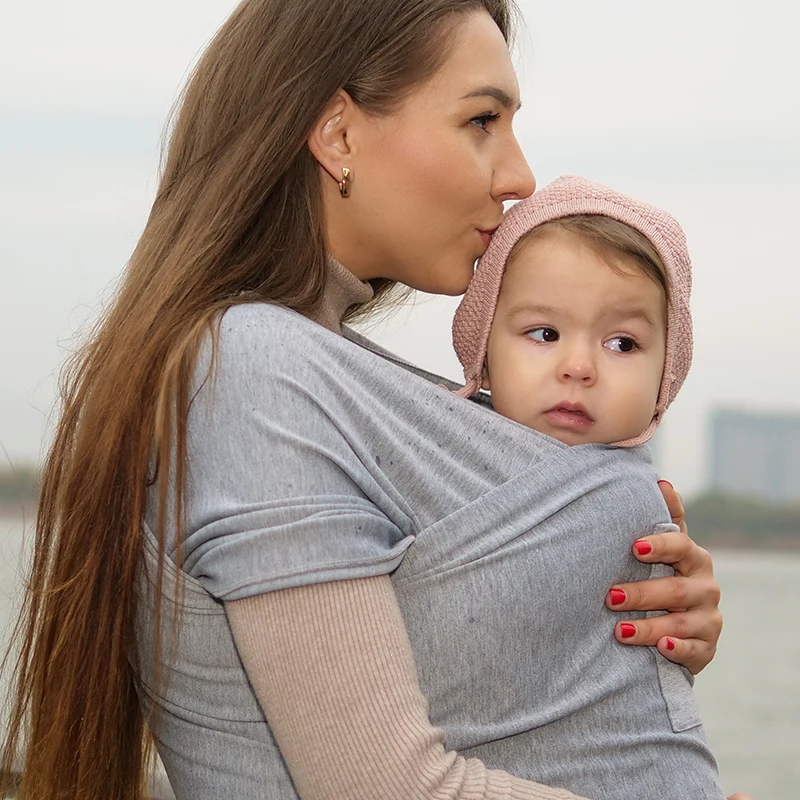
450, 279
453, 283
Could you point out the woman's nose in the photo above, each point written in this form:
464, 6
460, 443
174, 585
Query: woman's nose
514, 179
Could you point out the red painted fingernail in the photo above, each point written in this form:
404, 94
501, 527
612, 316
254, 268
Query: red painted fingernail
670, 644
627, 630
617, 597
643, 548
667, 482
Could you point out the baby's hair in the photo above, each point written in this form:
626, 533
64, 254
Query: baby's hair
612, 240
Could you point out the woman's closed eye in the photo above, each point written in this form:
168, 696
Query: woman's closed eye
482, 121
543, 334
621, 344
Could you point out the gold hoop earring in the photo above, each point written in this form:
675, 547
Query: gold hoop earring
344, 184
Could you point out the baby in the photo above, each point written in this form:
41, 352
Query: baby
577, 319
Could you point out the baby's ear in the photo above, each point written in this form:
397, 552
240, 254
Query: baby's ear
485, 378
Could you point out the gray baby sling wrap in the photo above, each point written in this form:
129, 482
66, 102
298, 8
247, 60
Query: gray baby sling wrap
501, 542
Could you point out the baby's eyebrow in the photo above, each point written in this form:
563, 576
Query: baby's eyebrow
532, 308
632, 313
623, 313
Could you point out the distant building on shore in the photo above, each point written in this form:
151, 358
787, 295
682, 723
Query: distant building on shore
756, 454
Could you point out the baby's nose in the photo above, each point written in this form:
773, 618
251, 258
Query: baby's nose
578, 367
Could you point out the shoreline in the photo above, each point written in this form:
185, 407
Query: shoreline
18, 511
25, 513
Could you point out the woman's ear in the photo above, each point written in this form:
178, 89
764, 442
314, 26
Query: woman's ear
328, 138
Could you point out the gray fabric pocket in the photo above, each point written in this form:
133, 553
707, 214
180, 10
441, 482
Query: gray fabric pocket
676, 681
682, 707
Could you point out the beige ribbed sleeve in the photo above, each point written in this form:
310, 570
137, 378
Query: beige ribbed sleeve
333, 670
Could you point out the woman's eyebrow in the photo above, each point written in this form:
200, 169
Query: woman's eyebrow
498, 94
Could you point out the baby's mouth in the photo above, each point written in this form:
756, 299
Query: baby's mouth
572, 416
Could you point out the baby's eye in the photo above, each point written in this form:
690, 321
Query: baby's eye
544, 334
621, 344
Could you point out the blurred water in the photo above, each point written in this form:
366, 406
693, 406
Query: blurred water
750, 695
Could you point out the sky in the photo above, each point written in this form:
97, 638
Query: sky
692, 106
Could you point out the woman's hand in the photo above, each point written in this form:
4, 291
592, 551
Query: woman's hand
689, 634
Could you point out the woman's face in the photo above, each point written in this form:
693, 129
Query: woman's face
429, 181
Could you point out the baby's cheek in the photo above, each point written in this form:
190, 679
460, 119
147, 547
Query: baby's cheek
510, 399
656, 379
644, 409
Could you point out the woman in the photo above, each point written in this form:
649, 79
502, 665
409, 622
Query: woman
369, 133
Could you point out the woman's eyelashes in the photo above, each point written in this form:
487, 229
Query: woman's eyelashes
482, 121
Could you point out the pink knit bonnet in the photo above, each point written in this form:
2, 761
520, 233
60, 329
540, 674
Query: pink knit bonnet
569, 196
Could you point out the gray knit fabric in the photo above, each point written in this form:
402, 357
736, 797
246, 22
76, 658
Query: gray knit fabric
313, 459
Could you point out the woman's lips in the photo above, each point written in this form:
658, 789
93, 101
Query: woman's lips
486, 237
569, 416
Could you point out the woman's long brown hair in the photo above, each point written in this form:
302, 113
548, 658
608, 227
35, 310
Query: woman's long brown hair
237, 218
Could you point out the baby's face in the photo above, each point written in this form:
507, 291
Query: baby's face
576, 349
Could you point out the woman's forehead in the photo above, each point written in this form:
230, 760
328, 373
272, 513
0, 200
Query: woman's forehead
478, 64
